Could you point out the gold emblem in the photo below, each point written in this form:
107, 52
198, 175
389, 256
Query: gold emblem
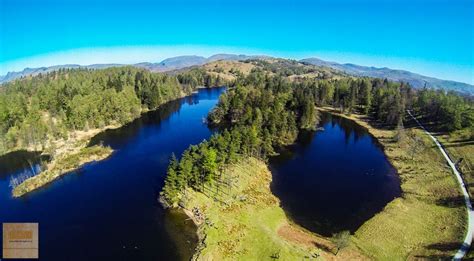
20, 240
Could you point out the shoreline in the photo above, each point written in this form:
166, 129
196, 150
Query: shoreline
423, 216
76, 143
81, 136
416, 225
63, 166
227, 227
288, 228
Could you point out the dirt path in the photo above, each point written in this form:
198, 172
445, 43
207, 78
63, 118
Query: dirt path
470, 213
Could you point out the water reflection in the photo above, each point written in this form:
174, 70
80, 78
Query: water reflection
125, 134
22, 161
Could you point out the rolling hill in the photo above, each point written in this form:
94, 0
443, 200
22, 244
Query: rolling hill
415, 80
179, 62
169, 64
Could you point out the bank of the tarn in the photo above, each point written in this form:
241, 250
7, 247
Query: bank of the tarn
427, 221
243, 220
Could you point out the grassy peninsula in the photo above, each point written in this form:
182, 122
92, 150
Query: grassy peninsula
246, 222
61, 166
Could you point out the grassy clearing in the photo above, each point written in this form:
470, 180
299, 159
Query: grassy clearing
459, 145
62, 165
227, 69
429, 220
247, 223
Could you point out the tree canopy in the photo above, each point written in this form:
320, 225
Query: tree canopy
46, 106
264, 112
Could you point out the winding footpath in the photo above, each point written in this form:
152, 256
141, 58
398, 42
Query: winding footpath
470, 213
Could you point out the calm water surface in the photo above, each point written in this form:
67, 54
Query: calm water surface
334, 179
328, 181
109, 210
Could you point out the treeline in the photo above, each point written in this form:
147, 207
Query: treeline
259, 118
285, 68
382, 100
203, 163
387, 101
449, 111
199, 77
49, 105
265, 112
274, 106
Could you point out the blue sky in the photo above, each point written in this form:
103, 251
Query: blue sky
434, 38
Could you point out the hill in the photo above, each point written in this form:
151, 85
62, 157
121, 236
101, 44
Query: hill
416, 80
180, 62
168, 64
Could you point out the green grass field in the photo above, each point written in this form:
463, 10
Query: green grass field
460, 145
247, 223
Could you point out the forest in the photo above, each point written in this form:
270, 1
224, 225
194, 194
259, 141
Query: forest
260, 118
190, 79
262, 113
48, 106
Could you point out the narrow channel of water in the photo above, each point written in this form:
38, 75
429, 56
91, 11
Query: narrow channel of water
108, 210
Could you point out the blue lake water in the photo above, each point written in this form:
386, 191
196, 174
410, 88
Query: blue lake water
334, 179
109, 209
328, 181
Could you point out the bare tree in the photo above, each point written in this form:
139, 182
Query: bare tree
416, 146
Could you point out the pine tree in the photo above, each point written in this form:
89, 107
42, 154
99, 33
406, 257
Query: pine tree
210, 165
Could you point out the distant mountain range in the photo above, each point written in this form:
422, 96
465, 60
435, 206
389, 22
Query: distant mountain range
179, 62
10, 76
169, 64
415, 80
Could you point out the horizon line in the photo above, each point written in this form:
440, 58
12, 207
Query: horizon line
130, 55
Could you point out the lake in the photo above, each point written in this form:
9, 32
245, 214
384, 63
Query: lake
328, 181
334, 179
109, 209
